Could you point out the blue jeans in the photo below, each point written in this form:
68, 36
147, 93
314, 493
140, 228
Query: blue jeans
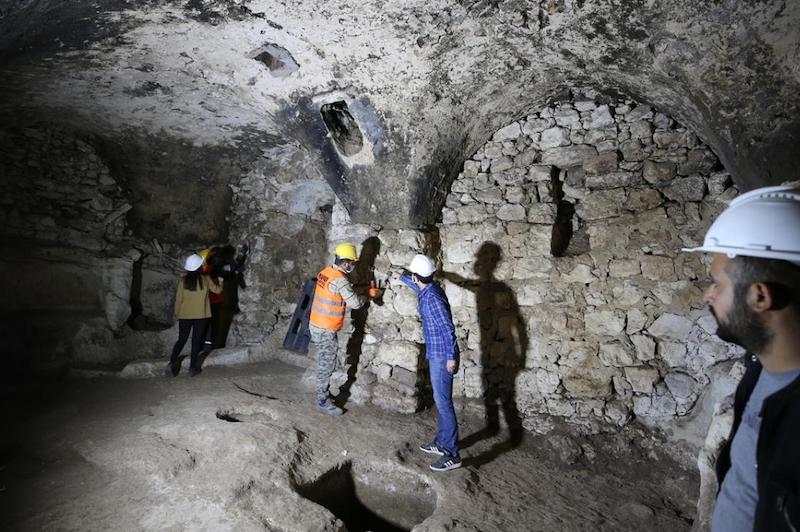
442, 383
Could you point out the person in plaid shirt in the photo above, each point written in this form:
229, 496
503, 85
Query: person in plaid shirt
441, 350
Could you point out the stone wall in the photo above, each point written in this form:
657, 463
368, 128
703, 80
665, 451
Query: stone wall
561, 245
57, 189
381, 349
285, 218
71, 266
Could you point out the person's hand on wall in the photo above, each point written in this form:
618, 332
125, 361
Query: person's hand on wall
452, 366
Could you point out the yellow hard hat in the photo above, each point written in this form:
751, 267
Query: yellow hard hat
204, 253
346, 250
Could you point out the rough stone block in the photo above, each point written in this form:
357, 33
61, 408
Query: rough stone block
643, 200
718, 183
542, 213
568, 156
657, 173
668, 138
532, 268
533, 126
471, 213
491, 195
538, 382
601, 204
645, 347
511, 212
581, 273
617, 355
515, 194
554, 137
658, 268
600, 117
683, 189
567, 117
604, 322
627, 295
538, 240
612, 180
624, 268
603, 163
673, 353
404, 376
642, 379
588, 380
510, 132
501, 164
699, 161
473, 382
471, 168
403, 354
405, 303
632, 150
525, 158
541, 172
640, 112
682, 386
641, 130
636, 321
670, 326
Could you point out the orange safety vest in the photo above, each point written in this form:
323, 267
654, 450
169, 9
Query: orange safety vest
328, 309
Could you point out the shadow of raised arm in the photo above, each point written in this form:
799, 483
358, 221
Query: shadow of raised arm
464, 282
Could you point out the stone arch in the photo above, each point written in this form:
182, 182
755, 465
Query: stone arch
615, 327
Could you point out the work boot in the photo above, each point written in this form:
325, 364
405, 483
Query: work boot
431, 448
329, 408
446, 463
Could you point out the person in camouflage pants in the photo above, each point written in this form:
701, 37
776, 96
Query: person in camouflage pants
332, 295
327, 343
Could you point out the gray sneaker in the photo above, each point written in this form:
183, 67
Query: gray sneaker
431, 448
329, 408
446, 463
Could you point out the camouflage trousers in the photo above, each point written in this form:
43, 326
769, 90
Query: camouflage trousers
327, 343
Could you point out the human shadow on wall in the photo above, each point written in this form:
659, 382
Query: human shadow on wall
503, 344
361, 276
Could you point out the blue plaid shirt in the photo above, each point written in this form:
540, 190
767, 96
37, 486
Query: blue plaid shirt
437, 320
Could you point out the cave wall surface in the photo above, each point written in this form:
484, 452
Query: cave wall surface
138, 132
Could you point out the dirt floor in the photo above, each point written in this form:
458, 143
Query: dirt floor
202, 454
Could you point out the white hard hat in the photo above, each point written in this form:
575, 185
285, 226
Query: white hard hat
763, 223
193, 262
422, 266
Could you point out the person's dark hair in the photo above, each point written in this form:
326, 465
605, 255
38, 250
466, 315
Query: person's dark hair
425, 280
193, 280
781, 276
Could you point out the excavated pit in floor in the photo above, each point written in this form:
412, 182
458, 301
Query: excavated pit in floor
369, 498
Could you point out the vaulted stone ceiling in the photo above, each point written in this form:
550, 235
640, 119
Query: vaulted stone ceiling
385, 99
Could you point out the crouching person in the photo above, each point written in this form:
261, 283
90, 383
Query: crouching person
441, 350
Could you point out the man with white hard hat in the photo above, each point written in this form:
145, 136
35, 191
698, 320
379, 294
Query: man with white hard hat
441, 350
755, 297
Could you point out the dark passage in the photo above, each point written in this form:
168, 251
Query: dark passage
342, 127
